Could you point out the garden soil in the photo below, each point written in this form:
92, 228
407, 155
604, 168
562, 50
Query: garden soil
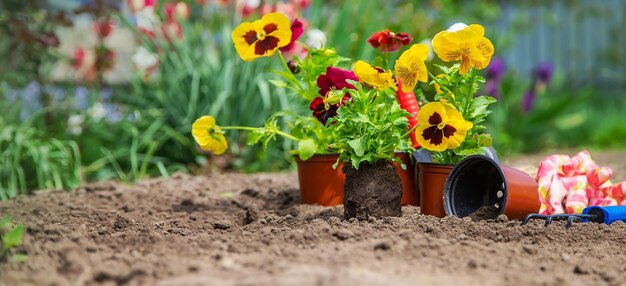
235, 229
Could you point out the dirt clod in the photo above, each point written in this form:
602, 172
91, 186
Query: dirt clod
222, 224
485, 212
343, 234
581, 270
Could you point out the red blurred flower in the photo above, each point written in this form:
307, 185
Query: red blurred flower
172, 30
137, 5
335, 78
247, 11
103, 28
173, 11
302, 4
267, 8
389, 41
78, 58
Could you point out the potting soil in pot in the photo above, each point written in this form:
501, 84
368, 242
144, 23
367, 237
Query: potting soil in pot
372, 190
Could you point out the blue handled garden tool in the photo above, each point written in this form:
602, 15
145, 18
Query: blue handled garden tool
597, 214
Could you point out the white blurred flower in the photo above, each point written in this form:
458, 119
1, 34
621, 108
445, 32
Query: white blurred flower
147, 19
145, 59
252, 3
457, 27
97, 111
429, 43
315, 38
74, 124
146, 62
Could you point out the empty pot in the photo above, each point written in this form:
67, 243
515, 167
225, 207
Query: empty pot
479, 186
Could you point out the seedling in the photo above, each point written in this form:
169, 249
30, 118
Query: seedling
11, 237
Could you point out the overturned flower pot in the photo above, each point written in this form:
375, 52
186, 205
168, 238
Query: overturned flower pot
372, 190
480, 188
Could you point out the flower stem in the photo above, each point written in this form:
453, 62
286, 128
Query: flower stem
288, 136
386, 61
409, 132
248, 128
470, 94
292, 78
437, 81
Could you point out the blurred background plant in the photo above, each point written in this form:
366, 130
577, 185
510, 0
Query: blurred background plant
102, 89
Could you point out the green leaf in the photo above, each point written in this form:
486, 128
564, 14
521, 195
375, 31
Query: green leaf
254, 137
306, 148
14, 237
470, 151
5, 222
278, 83
485, 140
358, 146
19, 258
480, 105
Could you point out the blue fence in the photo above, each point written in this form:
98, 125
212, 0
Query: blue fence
585, 40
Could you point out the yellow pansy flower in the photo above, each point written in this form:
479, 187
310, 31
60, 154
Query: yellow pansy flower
263, 37
209, 135
374, 76
441, 127
410, 67
466, 44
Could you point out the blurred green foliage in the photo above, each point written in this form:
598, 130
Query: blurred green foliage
202, 74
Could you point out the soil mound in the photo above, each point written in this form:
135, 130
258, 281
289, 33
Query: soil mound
234, 229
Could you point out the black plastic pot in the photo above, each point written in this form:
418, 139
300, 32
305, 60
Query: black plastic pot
478, 184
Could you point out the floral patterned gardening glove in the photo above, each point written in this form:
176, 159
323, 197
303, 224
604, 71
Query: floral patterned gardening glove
568, 185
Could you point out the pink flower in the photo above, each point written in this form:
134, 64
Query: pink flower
296, 32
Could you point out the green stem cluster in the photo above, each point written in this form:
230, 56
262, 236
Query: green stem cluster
292, 79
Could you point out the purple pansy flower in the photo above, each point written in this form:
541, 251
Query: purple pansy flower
495, 70
529, 100
543, 72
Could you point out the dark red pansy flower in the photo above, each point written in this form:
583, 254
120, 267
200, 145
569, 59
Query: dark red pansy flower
297, 29
335, 78
323, 111
389, 41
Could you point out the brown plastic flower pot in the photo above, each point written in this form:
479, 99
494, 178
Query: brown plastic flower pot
432, 178
478, 182
320, 184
